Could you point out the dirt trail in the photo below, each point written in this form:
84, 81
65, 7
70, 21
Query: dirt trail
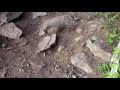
18, 57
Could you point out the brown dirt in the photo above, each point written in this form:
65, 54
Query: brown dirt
19, 59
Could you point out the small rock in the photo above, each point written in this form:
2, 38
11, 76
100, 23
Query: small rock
3, 46
10, 30
68, 65
60, 48
46, 43
94, 38
44, 54
36, 14
58, 23
41, 33
85, 77
77, 39
78, 30
80, 60
73, 76
57, 68
97, 39
21, 70
9, 48
98, 52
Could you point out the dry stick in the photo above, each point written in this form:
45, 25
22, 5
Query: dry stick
114, 59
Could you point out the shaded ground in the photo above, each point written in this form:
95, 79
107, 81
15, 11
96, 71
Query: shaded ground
19, 59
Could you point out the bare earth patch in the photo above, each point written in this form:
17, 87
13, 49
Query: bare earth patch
51, 45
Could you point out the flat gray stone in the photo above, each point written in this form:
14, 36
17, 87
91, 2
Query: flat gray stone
80, 60
46, 43
98, 52
11, 31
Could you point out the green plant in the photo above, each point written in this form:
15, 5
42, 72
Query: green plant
110, 17
104, 68
108, 74
111, 70
116, 51
112, 36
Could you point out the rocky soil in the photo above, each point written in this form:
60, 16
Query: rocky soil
52, 45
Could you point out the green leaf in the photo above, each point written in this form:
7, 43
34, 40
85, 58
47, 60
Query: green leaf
116, 51
110, 65
104, 68
110, 40
115, 75
118, 36
113, 35
119, 69
107, 74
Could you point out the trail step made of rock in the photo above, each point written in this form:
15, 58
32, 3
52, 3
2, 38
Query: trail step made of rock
80, 60
98, 52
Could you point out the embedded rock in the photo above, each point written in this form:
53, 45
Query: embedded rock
80, 60
46, 43
58, 23
98, 52
10, 30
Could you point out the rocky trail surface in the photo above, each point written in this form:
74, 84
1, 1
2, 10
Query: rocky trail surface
52, 45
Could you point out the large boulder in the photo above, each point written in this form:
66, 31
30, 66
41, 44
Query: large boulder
57, 23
